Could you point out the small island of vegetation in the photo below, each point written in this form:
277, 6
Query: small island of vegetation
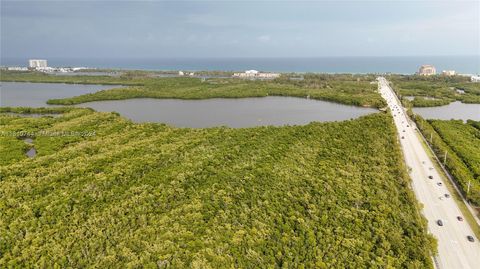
428, 91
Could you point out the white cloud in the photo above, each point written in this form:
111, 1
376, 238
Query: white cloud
264, 38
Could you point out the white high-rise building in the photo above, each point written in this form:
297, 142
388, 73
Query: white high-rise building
35, 63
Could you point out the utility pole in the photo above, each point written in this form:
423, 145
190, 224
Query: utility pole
468, 187
445, 158
431, 137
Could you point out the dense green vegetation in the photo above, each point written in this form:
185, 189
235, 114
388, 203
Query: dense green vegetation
462, 142
348, 89
475, 124
324, 195
32, 76
464, 139
436, 90
429, 102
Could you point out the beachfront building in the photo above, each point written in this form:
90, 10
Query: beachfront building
427, 70
256, 74
449, 73
35, 63
475, 78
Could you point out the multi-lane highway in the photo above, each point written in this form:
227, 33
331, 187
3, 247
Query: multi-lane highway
454, 249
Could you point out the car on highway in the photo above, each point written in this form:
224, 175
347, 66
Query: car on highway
470, 238
430, 177
439, 183
439, 222
459, 218
408, 125
403, 137
447, 195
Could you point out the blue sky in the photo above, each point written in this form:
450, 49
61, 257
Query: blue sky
238, 28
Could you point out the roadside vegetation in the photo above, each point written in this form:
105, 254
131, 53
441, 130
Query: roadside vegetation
324, 195
435, 90
347, 89
461, 141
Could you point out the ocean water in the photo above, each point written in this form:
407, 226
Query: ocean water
400, 65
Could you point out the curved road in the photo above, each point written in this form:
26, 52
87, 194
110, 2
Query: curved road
454, 250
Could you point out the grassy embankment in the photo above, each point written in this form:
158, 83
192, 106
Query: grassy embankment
346, 89
435, 90
322, 195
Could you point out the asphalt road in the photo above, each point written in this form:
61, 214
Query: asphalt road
454, 250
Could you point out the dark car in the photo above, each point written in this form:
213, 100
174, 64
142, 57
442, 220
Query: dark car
447, 195
459, 218
403, 137
430, 177
439, 222
408, 125
470, 238
439, 183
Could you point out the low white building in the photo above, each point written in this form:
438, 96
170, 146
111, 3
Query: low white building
256, 74
449, 73
475, 78
17, 68
181, 73
36, 63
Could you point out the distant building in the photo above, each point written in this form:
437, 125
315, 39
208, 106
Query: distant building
181, 73
256, 74
427, 70
475, 78
17, 68
34, 63
449, 73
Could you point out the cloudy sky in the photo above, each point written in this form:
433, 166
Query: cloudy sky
238, 28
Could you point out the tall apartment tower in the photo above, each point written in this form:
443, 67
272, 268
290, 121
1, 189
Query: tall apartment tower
427, 70
35, 63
